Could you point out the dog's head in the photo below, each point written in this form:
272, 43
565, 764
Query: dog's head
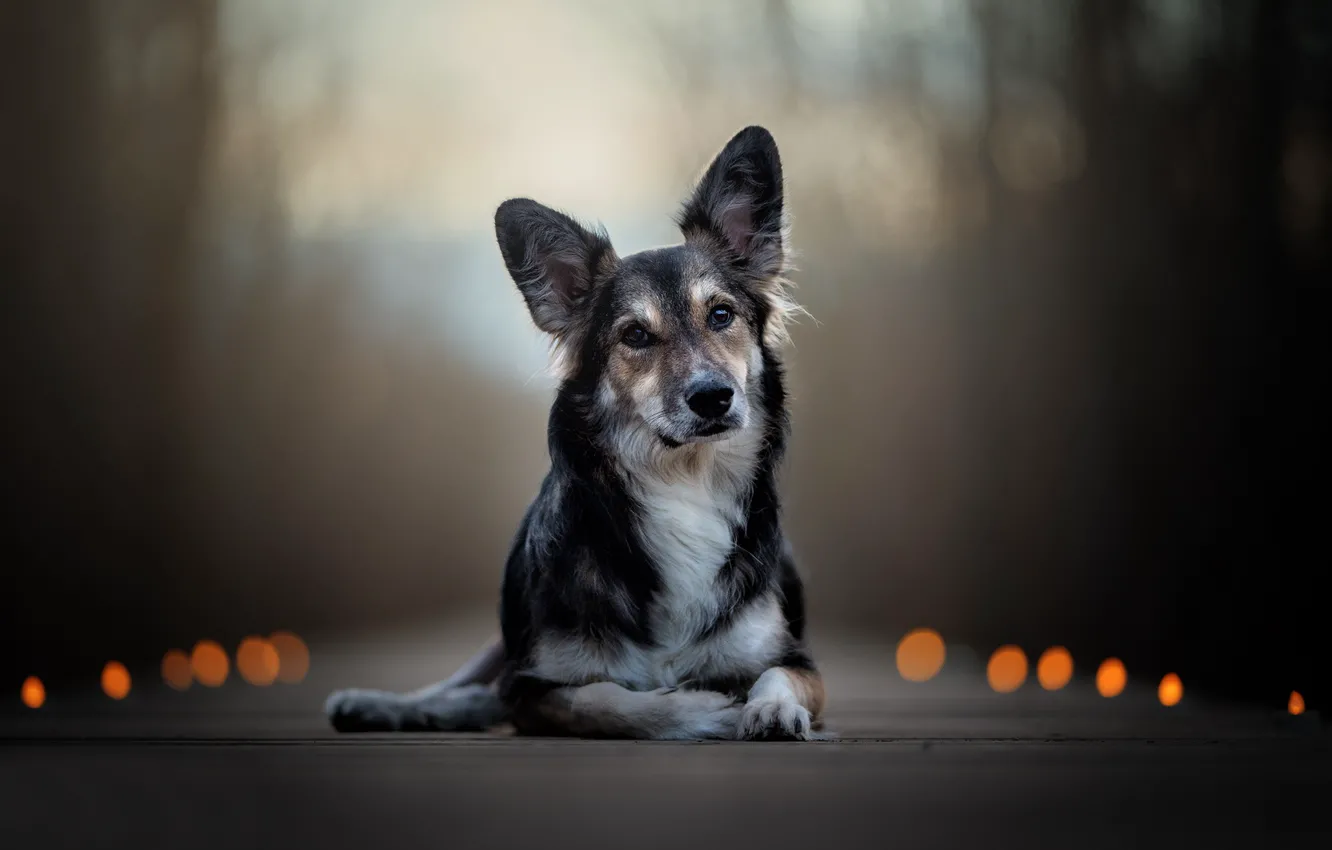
668, 341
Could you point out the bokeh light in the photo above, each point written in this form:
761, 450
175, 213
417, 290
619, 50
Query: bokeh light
1296, 704
176, 670
1007, 669
115, 680
1055, 668
209, 663
293, 657
33, 692
1171, 690
920, 655
1111, 677
257, 661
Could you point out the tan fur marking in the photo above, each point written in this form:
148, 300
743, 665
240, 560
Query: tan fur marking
638, 374
730, 348
808, 688
647, 386
702, 290
651, 315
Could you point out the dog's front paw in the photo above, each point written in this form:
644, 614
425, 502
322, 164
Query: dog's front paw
699, 715
360, 710
774, 720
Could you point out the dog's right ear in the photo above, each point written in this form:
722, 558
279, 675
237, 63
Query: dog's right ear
553, 259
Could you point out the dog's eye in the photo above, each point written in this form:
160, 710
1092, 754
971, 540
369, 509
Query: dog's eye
635, 336
720, 317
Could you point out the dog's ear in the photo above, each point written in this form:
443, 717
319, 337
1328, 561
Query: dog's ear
553, 259
738, 203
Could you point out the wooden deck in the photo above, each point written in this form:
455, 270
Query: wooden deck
943, 764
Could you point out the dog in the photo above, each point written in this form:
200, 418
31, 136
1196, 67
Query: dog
649, 592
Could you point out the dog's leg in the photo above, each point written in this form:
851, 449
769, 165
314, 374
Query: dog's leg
482, 668
607, 710
784, 704
462, 703
437, 708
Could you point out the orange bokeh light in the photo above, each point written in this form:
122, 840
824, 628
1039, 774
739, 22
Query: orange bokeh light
1296, 704
209, 663
293, 657
115, 680
257, 661
920, 655
1055, 668
176, 670
1171, 690
1111, 677
33, 692
1007, 669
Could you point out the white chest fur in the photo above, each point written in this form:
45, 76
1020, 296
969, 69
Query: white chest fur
687, 528
686, 524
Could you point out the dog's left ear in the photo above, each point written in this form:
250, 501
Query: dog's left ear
738, 203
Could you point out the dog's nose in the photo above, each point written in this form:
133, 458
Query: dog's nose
710, 399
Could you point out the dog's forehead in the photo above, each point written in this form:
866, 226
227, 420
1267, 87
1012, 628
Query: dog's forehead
671, 279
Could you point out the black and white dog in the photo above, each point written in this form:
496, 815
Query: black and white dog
649, 592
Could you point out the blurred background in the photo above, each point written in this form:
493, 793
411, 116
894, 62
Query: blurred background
262, 367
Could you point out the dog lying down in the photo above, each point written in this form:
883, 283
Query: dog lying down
649, 592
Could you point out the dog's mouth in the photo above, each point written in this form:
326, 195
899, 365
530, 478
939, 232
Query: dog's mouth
710, 433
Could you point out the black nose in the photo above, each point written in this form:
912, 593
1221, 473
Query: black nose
710, 400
